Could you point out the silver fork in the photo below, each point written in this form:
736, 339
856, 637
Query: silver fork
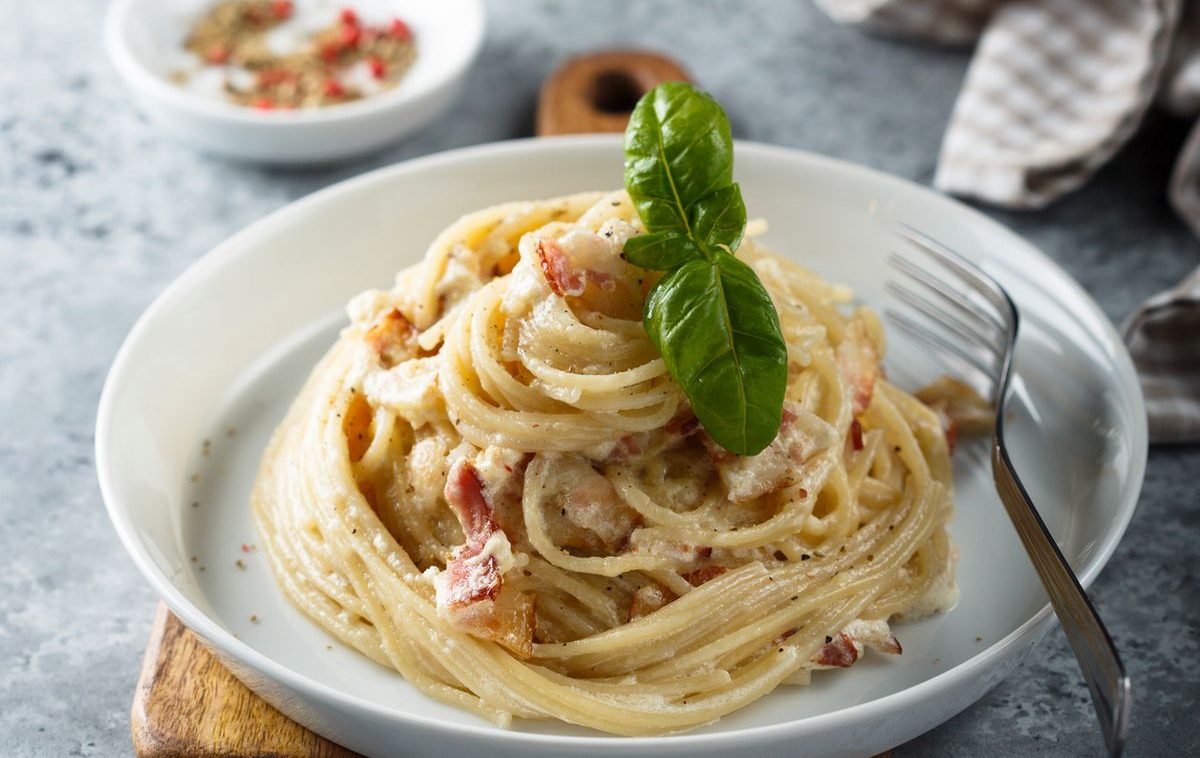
951, 305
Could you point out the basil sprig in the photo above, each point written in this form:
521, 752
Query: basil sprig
709, 315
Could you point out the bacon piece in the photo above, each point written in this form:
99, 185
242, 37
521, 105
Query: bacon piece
591, 515
392, 338
470, 577
588, 268
648, 599
891, 645
749, 477
471, 592
515, 620
464, 495
627, 448
856, 434
876, 635
508, 620
704, 574
501, 472
643, 444
949, 427
840, 652
562, 277
858, 362
959, 408
848, 646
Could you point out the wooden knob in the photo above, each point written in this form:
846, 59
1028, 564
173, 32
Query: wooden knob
596, 92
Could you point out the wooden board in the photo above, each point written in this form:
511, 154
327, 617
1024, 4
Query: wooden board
187, 703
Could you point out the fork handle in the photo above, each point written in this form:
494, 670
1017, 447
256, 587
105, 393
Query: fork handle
1094, 649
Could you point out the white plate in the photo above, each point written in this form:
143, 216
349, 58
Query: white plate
229, 343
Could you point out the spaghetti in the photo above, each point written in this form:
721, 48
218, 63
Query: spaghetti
492, 485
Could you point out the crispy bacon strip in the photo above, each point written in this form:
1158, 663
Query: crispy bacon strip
590, 515
391, 337
648, 599
587, 269
562, 277
748, 477
959, 408
858, 363
848, 646
876, 635
464, 495
508, 620
469, 579
840, 652
891, 645
856, 434
704, 574
471, 590
673, 434
470, 576
626, 449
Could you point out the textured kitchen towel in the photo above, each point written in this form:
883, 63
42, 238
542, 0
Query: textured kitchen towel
1164, 340
948, 21
1053, 91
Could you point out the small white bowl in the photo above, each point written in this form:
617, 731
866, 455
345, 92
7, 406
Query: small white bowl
145, 38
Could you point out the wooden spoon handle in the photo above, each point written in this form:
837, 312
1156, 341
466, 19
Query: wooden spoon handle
596, 92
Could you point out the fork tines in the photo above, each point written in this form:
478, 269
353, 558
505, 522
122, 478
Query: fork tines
948, 303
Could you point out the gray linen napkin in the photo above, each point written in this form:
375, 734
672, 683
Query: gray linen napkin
1053, 91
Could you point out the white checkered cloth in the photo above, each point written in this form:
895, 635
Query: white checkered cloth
1164, 339
1054, 89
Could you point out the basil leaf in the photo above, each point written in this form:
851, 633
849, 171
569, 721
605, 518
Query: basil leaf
677, 150
709, 315
718, 332
660, 251
718, 219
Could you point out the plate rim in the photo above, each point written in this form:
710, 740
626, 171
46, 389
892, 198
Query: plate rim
241, 243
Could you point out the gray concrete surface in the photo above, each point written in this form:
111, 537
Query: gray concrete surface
99, 210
